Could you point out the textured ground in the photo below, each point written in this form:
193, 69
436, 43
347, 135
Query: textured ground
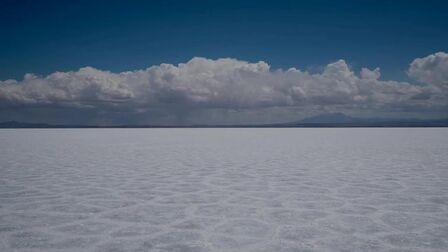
224, 190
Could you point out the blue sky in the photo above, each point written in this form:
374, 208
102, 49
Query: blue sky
46, 36
72, 52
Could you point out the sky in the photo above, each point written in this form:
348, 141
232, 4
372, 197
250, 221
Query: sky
221, 62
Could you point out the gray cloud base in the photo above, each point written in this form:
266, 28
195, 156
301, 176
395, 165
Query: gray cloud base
231, 84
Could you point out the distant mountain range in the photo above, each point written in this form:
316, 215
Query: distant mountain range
322, 120
342, 120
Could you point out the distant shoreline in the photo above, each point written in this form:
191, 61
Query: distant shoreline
335, 120
226, 126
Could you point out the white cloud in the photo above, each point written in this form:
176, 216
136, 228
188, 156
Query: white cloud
369, 74
432, 69
230, 84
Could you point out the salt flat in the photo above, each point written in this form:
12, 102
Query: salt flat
366, 189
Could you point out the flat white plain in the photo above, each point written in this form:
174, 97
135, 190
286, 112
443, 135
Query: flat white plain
364, 189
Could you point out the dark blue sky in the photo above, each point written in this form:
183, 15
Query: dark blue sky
46, 36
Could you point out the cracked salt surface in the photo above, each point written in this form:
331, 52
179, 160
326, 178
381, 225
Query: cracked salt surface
224, 189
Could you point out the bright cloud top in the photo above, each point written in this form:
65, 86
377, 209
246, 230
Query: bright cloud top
231, 84
432, 69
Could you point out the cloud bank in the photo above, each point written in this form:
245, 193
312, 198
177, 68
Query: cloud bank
232, 84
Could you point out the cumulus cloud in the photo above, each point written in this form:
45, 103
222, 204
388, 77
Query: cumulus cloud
369, 74
432, 69
229, 84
